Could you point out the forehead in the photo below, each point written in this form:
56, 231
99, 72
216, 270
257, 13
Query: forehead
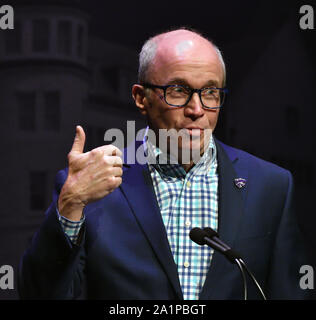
183, 46
185, 53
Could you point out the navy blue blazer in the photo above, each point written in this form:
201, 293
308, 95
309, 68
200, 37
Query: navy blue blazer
124, 251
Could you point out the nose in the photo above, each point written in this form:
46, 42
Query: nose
194, 108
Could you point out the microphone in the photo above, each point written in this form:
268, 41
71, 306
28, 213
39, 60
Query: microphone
210, 237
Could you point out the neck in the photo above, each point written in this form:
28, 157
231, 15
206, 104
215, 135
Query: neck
188, 167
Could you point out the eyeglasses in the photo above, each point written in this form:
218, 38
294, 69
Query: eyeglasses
179, 96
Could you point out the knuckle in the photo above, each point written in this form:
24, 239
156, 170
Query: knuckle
111, 183
108, 172
107, 149
115, 182
112, 160
94, 152
118, 151
118, 160
110, 148
107, 160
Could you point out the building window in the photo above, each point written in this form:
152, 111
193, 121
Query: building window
26, 111
38, 183
41, 35
13, 39
80, 41
52, 112
64, 37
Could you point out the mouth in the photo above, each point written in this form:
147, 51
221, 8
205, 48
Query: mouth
194, 131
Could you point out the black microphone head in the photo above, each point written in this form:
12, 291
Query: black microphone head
210, 232
197, 235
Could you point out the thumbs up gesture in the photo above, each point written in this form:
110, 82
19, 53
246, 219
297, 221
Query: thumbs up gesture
91, 176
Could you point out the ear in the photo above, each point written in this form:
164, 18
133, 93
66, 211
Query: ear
139, 96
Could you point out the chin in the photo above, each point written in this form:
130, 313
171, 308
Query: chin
192, 149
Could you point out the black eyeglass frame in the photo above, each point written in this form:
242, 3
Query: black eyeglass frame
223, 92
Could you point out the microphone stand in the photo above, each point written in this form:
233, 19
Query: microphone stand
223, 248
233, 257
242, 272
243, 264
209, 236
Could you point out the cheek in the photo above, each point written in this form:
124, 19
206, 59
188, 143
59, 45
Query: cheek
212, 117
164, 118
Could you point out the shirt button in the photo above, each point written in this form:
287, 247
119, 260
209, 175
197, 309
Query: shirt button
188, 223
186, 264
188, 184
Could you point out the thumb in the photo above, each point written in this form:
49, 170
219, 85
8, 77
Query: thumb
79, 141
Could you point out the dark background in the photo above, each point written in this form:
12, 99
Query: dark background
73, 62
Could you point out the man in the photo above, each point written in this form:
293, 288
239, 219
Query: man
126, 230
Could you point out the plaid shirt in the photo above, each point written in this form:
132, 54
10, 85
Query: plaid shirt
186, 200
71, 228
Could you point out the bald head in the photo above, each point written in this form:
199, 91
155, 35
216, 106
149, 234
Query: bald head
178, 44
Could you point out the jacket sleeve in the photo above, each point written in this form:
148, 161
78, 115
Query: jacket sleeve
289, 254
52, 267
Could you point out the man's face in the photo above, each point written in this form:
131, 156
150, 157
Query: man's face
185, 61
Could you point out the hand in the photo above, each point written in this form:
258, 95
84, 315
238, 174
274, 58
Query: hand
91, 176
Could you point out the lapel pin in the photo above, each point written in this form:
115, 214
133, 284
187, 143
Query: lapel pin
240, 182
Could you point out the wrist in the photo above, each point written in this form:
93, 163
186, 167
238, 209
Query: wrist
70, 207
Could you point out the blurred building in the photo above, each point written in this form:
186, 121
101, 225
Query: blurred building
53, 76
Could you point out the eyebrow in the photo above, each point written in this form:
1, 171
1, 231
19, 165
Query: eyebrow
180, 81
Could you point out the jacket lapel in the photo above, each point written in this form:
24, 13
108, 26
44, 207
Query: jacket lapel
230, 210
139, 192
231, 198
